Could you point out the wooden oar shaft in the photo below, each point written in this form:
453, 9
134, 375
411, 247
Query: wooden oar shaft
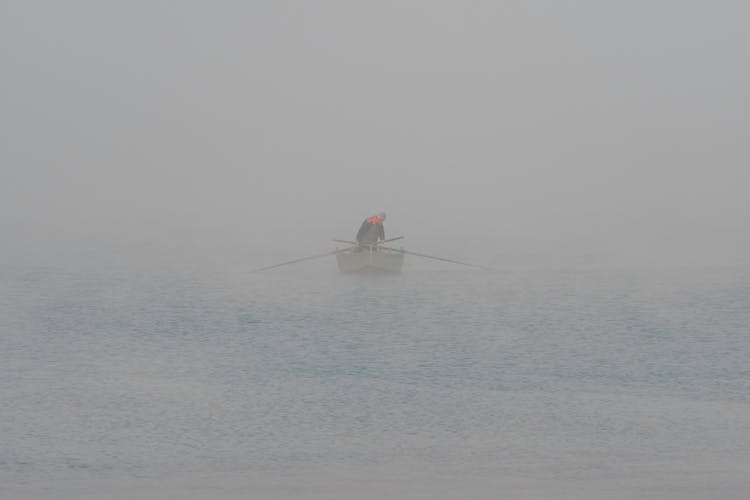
311, 257
426, 256
349, 242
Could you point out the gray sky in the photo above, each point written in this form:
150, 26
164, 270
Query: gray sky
514, 133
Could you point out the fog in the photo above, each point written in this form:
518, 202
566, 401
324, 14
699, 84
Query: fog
200, 134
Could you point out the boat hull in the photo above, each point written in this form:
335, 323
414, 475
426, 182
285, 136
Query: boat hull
370, 262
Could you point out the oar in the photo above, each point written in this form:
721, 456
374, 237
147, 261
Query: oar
303, 258
417, 254
373, 244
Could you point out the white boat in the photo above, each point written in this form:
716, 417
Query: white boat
369, 261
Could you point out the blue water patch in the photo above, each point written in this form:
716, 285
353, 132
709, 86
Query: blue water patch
562, 371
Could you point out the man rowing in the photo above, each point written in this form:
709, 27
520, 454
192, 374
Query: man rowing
371, 232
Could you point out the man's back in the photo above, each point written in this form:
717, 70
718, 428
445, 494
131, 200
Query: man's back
371, 230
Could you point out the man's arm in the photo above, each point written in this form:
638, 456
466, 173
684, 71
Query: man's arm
381, 232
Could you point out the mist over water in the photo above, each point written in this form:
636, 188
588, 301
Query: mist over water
518, 134
593, 154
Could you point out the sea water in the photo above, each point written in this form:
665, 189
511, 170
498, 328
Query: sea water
437, 383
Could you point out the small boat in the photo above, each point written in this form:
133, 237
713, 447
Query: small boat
369, 258
369, 261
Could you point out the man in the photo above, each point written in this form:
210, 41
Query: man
371, 232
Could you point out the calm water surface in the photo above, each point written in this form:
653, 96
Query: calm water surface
433, 384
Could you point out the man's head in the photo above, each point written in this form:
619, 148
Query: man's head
381, 215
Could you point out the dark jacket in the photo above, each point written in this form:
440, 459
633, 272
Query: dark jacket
370, 233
